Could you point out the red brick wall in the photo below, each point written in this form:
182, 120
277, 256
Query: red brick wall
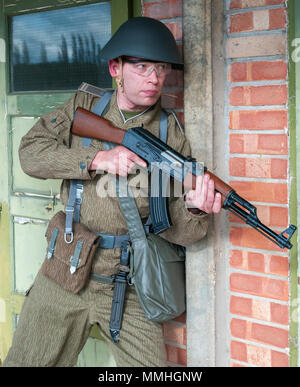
258, 169
170, 12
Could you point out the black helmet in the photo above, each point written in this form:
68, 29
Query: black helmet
146, 38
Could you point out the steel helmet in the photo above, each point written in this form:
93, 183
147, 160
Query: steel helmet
146, 38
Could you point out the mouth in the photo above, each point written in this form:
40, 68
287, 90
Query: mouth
150, 93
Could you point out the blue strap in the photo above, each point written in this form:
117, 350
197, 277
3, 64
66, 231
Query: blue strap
76, 187
109, 241
51, 248
163, 126
73, 205
98, 109
75, 261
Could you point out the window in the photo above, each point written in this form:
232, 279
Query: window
59, 49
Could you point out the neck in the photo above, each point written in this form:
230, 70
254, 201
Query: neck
125, 104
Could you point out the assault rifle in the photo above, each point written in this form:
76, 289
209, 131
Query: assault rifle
183, 169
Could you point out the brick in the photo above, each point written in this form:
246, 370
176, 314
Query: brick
277, 18
174, 79
261, 20
174, 100
256, 262
250, 238
279, 313
238, 72
238, 351
268, 70
181, 318
241, 306
238, 328
258, 119
163, 9
237, 259
261, 310
176, 355
175, 28
246, 284
258, 95
259, 356
268, 95
265, 334
279, 359
241, 22
174, 333
259, 286
257, 45
268, 144
279, 265
277, 337
237, 4
261, 192
257, 167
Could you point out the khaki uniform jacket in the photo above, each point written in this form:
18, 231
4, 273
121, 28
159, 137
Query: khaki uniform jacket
50, 151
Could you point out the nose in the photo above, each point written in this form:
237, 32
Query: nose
153, 77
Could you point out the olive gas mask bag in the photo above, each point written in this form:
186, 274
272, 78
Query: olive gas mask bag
157, 266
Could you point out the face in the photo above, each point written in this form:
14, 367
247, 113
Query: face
139, 91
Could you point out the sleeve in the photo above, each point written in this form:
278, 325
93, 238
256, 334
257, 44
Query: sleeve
45, 151
187, 227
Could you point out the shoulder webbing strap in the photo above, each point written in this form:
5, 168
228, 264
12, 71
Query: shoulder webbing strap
163, 126
76, 186
98, 109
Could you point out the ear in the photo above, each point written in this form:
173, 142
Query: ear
114, 67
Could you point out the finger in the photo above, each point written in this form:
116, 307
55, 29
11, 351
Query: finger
137, 160
217, 203
210, 196
204, 189
130, 165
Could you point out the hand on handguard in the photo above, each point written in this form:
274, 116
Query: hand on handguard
204, 196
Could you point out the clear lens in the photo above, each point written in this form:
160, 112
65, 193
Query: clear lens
145, 68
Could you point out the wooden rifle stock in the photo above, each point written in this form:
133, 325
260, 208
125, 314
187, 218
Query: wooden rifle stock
88, 124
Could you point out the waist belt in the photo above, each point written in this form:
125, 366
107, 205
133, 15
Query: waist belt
112, 241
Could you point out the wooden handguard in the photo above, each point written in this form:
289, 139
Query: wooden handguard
88, 124
220, 186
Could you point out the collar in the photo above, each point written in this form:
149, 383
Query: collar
147, 118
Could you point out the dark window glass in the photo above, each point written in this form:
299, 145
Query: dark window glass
57, 50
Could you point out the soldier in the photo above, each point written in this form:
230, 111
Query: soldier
55, 323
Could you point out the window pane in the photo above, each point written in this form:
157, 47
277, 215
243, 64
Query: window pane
57, 50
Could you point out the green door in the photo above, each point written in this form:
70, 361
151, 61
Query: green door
46, 51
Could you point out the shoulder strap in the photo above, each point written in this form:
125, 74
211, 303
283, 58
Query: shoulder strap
163, 126
76, 186
99, 109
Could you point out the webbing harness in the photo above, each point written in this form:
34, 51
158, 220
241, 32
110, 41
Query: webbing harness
108, 241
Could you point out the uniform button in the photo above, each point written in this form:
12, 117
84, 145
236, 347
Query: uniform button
53, 120
82, 165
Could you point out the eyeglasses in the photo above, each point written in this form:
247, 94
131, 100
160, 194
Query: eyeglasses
145, 68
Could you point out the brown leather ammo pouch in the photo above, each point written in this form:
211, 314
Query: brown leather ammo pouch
69, 264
